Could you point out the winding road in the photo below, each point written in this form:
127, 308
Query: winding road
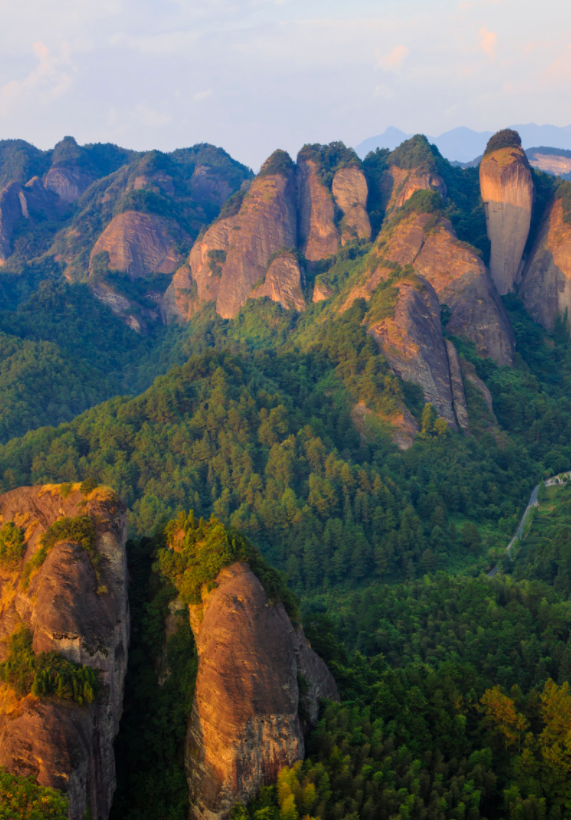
533, 502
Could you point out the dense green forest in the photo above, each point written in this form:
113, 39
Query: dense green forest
454, 685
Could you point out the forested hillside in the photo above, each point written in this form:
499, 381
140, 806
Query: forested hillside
360, 403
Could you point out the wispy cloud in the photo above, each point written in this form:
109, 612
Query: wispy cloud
488, 42
50, 79
202, 95
394, 59
148, 117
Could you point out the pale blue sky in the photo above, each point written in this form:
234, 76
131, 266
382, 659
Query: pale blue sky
254, 75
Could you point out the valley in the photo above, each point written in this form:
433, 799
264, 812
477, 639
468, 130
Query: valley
264, 440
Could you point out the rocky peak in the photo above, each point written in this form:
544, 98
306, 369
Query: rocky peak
506, 185
231, 262
546, 283
66, 584
245, 723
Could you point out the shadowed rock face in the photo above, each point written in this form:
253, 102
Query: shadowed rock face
399, 184
68, 183
457, 385
350, 191
318, 235
230, 262
546, 284
456, 273
68, 610
245, 724
413, 344
507, 190
282, 283
10, 212
138, 244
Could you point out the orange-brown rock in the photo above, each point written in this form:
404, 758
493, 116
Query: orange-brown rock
321, 291
507, 191
546, 283
180, 301
283, 283
231, 259
318, 236
401, 425
349, 188
70, 610
456, 273
411, 339
68, 183
206, 184
399, 184
457, 385
245, 722
138, 244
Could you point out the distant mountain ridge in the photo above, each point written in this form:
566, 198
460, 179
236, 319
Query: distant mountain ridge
463, 144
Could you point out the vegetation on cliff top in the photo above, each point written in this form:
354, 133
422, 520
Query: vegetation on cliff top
279, 162
47, 673
21, 798
199, 550
503, 139
329, 159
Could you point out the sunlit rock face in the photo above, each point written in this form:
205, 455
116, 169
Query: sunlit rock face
507, 191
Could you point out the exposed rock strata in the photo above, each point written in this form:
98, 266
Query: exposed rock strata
231, 260
412, 341
68, 610
349, 188
283, 283
318, 235
245, 722
68, 183
399, 184
457, 385
507, 190
546, 284
457, 274
138, 244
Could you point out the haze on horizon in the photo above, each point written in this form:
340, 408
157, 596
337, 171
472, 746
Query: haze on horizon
255, 75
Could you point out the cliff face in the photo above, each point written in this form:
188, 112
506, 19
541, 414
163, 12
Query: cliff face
68, 183
229, 264
456, 273
412, 341
349, 188
138, 244
71, 611
399, 184
245, 723
507, 190
318, 235
546, 284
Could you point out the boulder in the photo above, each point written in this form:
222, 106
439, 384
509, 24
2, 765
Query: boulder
349, 188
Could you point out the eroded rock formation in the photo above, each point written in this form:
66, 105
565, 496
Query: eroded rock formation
507, 190
349, 188
10, 212
68, 183
81, 613
138, 244
399, 184
546, 284
318, 235
245, 723
412, 341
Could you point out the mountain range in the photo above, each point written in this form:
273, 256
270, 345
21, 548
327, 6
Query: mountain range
264, 440
464, 144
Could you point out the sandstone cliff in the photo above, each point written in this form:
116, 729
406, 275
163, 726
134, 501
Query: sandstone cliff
456, 273
349, 188
318, 235
242, 255
411, 339
138, 244
399, 184
245, 723
507, 191
79, 609
68, 183
546, 284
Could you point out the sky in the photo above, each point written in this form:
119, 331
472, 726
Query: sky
256, 75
